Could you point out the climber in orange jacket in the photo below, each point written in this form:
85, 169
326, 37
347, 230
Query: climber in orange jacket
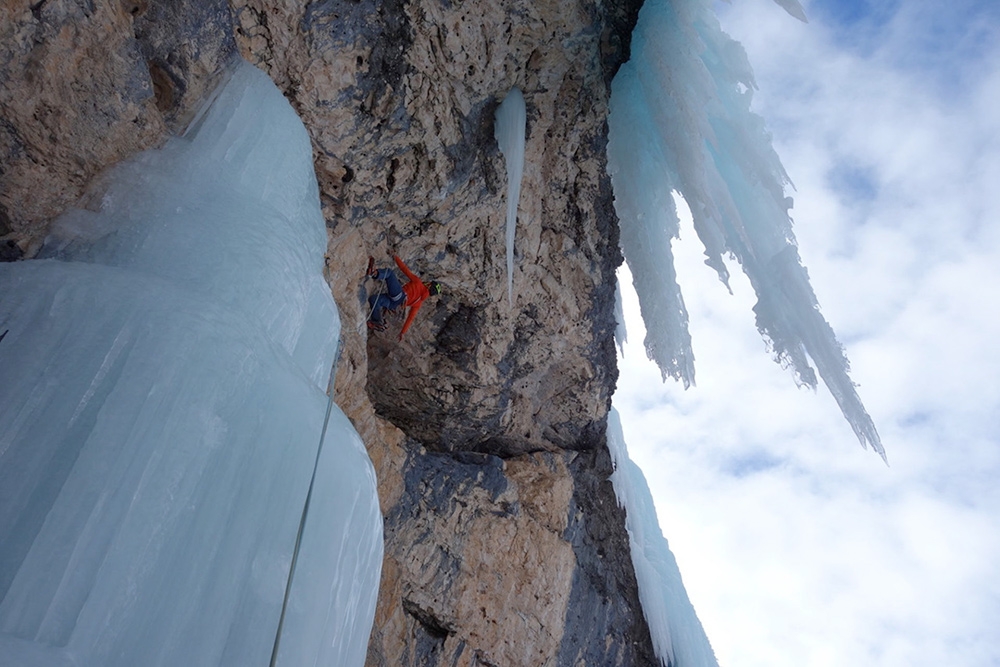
411, 295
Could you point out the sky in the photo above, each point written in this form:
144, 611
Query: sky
797, 547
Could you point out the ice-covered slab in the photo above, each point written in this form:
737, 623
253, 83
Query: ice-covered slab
161, 409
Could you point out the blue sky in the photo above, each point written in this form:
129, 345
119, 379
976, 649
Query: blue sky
851, 14
797, 547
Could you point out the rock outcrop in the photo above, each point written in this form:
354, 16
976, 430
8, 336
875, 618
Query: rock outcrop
85, 84
504, 542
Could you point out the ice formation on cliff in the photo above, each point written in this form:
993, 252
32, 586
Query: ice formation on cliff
621, 332
677, 634
161, 410
681, 121
511, 119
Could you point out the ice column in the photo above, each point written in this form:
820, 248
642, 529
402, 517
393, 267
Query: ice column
621, 331
640, 174
510, 122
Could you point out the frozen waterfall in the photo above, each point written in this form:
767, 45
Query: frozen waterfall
681, 121
161, 409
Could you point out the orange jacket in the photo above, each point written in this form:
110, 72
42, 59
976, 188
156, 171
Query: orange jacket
415, 291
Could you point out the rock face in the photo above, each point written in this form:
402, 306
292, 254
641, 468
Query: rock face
504, 542
508, 562
86, 83
63, 120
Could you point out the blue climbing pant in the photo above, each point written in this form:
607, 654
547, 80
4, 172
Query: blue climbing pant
392, 298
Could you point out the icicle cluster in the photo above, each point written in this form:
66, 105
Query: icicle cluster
681, 120
510, 122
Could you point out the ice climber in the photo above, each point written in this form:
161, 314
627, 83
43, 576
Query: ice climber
411, 295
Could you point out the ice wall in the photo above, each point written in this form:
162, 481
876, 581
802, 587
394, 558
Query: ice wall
161, 409
680, 121
678, 637
509, 128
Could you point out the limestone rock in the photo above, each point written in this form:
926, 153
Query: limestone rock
84, 85
186, 45
75, 97
504, 542
399, 99
504, 562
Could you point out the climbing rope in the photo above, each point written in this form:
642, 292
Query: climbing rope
305, 513
312, 482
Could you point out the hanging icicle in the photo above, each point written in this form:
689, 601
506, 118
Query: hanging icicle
511, 118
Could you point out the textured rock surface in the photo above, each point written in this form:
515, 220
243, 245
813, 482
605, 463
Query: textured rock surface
505, 545
400, 100
63, 119
86, 83
497, 571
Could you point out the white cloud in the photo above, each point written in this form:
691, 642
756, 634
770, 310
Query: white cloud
797, 547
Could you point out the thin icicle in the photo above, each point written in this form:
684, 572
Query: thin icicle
511, 118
